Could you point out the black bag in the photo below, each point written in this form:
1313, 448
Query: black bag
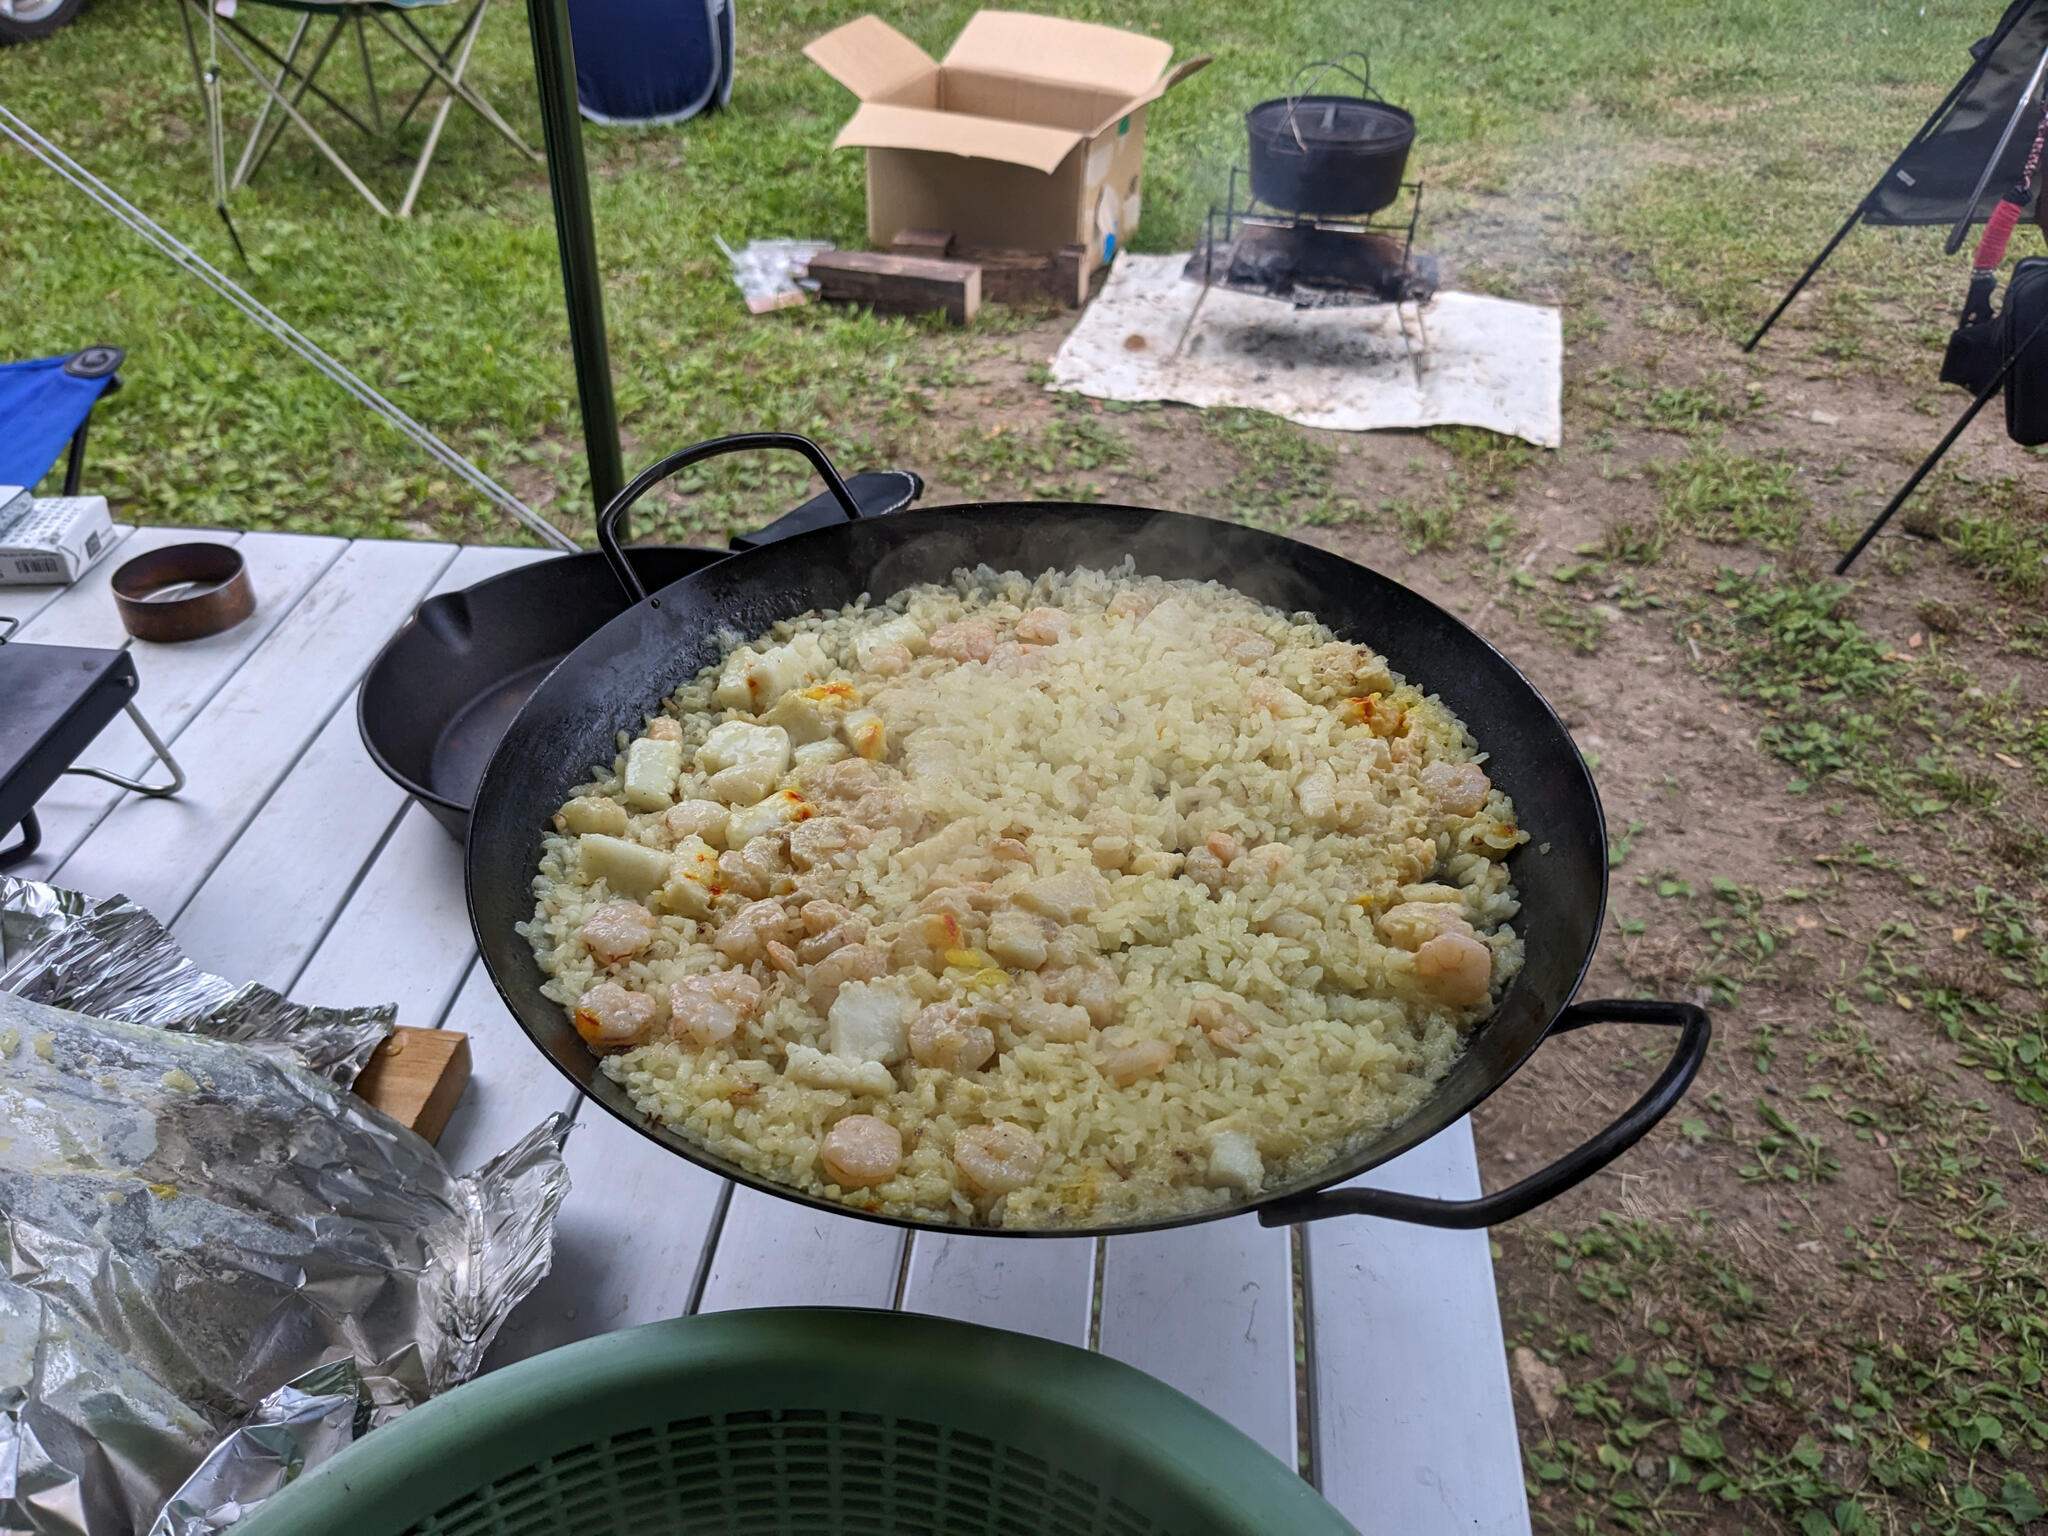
2024, 324
1986, 343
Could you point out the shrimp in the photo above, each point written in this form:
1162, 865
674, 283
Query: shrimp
965, 640
855, 962
756, 869
1044, 626
846, 780
1455, 969
890, 660
664, 728
697, 818
860, 1152
1204, 868
1241, 645
824, 838
1228, 1030
611, 1018
1061, 1023
828, 926
1009, 848
996, 1159
1145, 1058
616, 930
940, 1038
1092, 986
1130, 605
1459, 789
1281, 703
746, 934
704, 1010
1413, 924
924, 941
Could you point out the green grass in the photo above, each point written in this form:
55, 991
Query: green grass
1711, 143
1731, 498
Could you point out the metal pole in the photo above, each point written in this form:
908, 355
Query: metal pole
1941, 449
554, 68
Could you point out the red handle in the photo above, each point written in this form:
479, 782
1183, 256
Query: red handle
1998, 230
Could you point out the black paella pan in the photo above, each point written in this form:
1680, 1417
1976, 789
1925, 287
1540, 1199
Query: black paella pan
622, 673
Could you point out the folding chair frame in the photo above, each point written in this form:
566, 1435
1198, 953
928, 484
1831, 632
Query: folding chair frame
292, 81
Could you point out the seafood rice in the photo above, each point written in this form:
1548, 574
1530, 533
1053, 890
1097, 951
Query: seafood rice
1079, 900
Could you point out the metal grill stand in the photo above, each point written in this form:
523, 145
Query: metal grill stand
1318, 261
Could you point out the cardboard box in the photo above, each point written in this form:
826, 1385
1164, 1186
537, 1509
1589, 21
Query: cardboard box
50, 541
1029, 135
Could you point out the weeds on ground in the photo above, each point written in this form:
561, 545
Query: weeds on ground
1729, 498
1278, 465
1736, 1391
1997, 527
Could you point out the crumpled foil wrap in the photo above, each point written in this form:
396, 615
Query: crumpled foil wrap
203, 1239
109, 958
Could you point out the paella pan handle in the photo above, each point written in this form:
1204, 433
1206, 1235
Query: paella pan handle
1574, 1167
683, 458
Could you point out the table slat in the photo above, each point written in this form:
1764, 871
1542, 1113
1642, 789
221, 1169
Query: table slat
1415, 1424
23, 603
776, 1253
1040, 1286
271, 900
252, 731
1210, 1309
629, 1244
177, 680
511, 1085
404, 935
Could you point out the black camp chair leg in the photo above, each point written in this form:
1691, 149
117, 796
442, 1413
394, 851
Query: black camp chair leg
1941, 449
1855, 214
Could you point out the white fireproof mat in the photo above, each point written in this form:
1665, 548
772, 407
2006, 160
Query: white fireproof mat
1486, 362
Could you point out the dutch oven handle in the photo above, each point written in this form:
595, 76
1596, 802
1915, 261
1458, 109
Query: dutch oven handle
1574, 1167
683, 458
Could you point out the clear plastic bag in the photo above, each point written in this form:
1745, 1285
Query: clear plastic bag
771, 273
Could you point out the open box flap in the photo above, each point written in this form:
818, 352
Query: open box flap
877, 63
1049, 49
1165, 83
878, 125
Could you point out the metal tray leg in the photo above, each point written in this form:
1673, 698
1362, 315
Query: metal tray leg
156, 745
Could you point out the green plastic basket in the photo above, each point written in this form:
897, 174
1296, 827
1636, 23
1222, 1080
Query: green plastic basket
805, 1422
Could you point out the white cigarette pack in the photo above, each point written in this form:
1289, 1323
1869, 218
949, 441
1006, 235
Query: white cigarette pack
50, 541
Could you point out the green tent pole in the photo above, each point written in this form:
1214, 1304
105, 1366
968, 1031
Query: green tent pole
554, 67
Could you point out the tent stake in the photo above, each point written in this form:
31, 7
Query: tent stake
554, 68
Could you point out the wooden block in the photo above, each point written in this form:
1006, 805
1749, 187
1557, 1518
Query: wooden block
903, 285
923, 242
417, 1076
1030, 277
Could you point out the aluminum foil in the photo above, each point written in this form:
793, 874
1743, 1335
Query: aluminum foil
188, 1227
109, 958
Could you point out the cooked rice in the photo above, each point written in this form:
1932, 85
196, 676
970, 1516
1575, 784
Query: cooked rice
1272, 822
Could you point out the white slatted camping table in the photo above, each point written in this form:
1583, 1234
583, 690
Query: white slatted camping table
290, 859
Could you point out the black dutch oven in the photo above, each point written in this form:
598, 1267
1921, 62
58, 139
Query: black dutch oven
1333, 156
620, 675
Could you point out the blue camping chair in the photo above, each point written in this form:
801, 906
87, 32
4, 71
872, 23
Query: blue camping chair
47, 402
